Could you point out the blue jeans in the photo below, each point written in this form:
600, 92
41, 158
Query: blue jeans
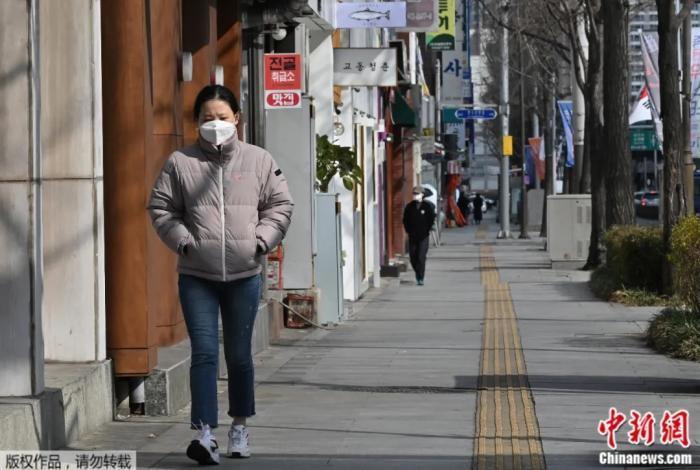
201, 301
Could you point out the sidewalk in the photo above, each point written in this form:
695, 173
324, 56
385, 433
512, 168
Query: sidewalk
410, 380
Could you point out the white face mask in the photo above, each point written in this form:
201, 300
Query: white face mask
217, 132
418, 197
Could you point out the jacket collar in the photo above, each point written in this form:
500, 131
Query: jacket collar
229, 149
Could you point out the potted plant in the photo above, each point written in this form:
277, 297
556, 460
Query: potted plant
332, 159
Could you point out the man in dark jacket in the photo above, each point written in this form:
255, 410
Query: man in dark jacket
418, 219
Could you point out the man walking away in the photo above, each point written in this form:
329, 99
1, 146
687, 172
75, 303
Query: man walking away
478, 204
463, 203
418, 219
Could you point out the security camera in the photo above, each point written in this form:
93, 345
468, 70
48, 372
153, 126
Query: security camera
279, 33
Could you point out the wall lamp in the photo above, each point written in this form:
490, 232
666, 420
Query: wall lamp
278, 33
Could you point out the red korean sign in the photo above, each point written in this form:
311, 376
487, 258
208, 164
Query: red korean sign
282, 80
282, 99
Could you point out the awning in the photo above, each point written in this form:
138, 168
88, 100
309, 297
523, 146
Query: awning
401, 113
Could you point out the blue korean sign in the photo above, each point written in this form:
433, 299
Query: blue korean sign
476, 113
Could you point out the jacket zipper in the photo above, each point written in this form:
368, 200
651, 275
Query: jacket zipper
222, 215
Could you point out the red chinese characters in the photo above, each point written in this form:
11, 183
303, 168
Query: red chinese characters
610, 426
673, 428
642, 428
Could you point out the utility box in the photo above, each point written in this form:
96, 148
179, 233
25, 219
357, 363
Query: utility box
328, 264
568, 227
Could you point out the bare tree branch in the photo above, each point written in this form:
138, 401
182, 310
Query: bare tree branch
499, 22
677, 21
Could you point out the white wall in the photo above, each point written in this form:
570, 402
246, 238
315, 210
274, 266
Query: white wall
321, 79
21, 353
71, 139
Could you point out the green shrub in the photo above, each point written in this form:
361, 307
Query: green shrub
635, 256
685, 257
676, 333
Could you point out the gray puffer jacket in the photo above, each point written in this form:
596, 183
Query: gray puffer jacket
221, 210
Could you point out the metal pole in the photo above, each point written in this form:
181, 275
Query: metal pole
689, 167
505, 163
523, 143
412, 56
579, 117
536, 130
552, 182
438, 98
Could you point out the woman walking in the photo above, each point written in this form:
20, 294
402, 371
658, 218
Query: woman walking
221, 205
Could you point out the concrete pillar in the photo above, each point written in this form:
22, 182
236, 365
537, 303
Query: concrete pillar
21, 348
71, 142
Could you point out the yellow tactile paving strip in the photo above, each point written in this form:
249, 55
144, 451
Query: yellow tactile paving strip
481, 233
507, 434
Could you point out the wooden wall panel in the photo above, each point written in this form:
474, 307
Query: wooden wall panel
199, 38
166, 47
229, 44
127, 138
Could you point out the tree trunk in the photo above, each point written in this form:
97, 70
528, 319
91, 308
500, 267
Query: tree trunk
595, 133
618, 172
672, 123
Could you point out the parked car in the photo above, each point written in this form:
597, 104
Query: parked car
646, 204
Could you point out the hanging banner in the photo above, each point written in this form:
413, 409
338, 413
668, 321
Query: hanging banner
537, 147
566, 109
453, 65
421, 15
360, 66
529, 166
370, 15
444, 38
695, 94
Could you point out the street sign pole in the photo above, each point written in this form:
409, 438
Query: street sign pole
504, 195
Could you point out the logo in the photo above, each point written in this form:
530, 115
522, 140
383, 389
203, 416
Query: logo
674, 428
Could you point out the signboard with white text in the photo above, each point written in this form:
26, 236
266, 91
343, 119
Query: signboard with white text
443, 39
453, 65
282, 81
421, 15
358, 66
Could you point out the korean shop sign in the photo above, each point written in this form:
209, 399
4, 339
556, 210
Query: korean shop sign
421, 15
282, 81
444, 38
370, 15
356, 66
454, 63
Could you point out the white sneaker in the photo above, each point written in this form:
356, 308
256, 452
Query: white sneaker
203, 448
238, 442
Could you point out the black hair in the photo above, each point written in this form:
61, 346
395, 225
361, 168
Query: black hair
215, 92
